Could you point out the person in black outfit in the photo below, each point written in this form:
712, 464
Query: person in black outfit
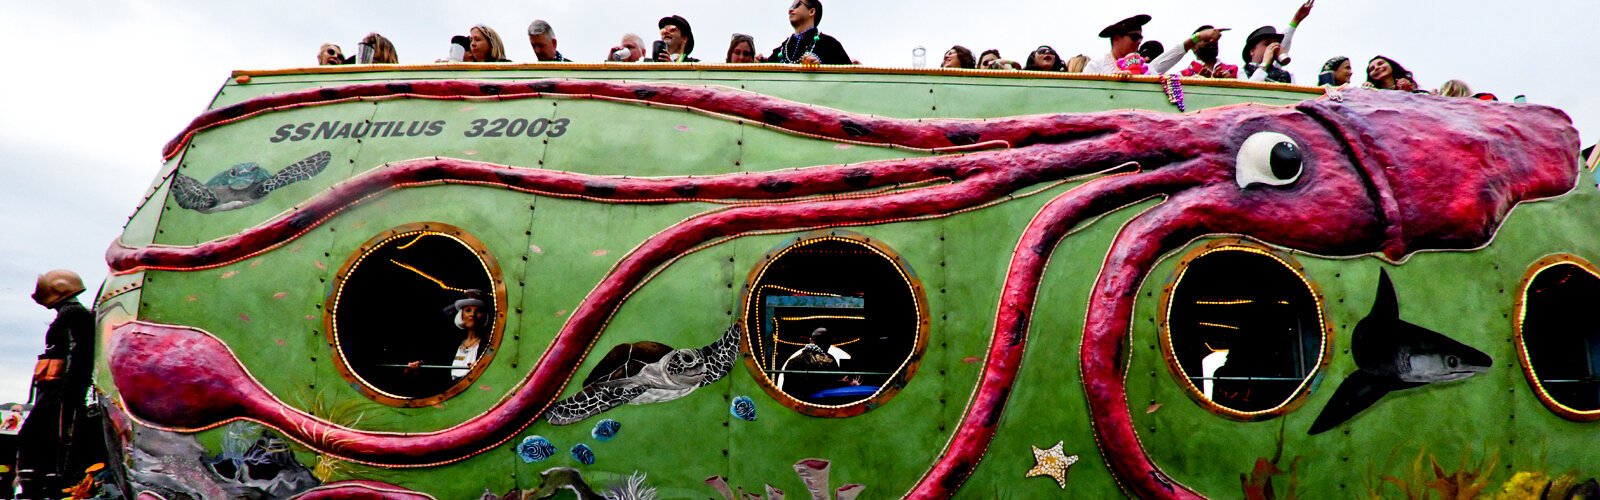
59, 439
808, 45
678, 37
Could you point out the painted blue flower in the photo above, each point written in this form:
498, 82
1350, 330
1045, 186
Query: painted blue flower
583, 454
744, 408
606, 429
535, 449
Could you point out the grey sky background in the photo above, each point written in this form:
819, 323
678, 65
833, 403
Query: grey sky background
93, 89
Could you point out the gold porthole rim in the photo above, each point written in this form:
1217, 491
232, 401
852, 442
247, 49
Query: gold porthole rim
896, 381
1301, 393
485, 259
1521, 308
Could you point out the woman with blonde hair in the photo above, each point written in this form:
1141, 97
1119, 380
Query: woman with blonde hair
375, 49
1454, 88
486, 46
1077, 63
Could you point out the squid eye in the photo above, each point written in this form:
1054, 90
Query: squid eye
1268, 158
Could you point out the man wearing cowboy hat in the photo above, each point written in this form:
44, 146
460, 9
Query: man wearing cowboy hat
679, 37
1266, 51
1125, 36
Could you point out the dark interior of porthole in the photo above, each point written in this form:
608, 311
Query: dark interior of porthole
1244, 327
1561, 336
392, 311
858, 296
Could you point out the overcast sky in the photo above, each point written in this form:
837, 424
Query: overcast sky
93, 89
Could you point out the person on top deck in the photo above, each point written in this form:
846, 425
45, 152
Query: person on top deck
375, 49
679, 37
1044, 58
741, 49
958, 57
1336, 72
329, 55
808, 45
631, 49
485, 46
1384, 73
1266, 52
542, 38
1205, 42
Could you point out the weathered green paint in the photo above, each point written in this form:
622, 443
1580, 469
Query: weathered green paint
551, 251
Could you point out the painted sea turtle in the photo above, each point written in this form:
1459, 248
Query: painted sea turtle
242, 185
647, 372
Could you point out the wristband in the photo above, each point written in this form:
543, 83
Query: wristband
1195, 39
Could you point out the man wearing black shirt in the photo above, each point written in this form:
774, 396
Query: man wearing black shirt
59, 439
808, 45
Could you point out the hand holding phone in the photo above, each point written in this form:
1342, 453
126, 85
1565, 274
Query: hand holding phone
658, 51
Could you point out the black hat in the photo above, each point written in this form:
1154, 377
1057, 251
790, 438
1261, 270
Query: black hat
1262, 33
683, 26
1125, 26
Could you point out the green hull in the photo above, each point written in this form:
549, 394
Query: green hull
270, 308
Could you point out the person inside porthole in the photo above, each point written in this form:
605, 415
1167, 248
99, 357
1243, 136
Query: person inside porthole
810, 365
468, 314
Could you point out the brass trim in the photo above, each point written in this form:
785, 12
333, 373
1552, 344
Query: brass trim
491, 267
1296, 398
1228, 83
1521, 307
901, 375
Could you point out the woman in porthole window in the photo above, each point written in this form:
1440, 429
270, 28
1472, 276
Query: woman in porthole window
469, 315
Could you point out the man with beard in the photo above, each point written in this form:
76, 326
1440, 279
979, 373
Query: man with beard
1205, 54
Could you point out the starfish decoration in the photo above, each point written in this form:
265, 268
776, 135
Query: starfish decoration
1052, 462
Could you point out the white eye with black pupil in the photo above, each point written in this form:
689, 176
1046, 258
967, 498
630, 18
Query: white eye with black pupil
1268, 158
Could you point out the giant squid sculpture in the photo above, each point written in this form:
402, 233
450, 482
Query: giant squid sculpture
1352, 173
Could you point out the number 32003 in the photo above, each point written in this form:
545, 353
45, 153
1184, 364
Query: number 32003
501, 127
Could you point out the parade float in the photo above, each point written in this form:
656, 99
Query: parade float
450, 281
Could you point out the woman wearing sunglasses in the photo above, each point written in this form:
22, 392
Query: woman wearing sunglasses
1044, 58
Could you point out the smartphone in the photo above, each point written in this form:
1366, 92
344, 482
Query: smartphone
656, 49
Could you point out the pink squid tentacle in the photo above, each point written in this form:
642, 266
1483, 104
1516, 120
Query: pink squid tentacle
155, 401
1135, 250
1052, 223
791, 116
774, 186
361, 489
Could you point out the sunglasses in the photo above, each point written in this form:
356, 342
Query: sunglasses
800, 3
332, 52
1136, 36
1047, 51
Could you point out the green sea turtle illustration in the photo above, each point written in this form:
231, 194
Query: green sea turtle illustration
242, 185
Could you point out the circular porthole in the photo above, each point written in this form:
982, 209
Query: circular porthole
835, 323
1558, 341
416, 314
1242, 330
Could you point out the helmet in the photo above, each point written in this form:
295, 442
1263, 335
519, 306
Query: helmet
56, 286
